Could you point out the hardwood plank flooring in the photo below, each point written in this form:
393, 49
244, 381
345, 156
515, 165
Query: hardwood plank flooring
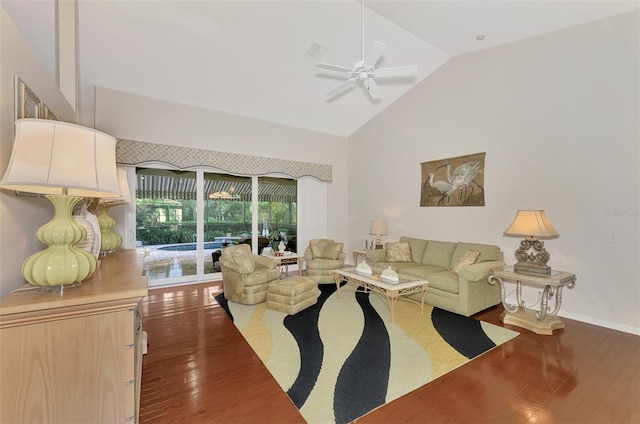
199, 369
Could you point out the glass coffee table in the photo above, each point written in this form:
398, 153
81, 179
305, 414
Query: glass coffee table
392, 291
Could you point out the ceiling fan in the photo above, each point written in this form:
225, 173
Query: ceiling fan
365, 69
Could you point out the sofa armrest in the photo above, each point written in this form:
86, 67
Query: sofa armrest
377, 255
480, 271
308, 255
264, 261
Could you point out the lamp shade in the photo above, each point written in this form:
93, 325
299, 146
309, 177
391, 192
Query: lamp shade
532, 224
378, 227
54, 157
125, 193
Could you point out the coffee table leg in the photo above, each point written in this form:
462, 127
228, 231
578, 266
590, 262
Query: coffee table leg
424, 295
392, 307
338, 279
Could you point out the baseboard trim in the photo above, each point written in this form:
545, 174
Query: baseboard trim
601, 323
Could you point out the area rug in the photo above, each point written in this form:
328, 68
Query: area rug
342, 357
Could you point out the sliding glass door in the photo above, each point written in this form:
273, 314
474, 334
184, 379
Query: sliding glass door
166, 221
184, 219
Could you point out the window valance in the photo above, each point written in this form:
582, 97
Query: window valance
134, 153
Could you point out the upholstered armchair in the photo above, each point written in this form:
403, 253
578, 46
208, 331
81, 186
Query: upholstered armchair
322, 256
246, 276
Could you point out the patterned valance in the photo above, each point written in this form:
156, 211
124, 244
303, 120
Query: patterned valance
134, 153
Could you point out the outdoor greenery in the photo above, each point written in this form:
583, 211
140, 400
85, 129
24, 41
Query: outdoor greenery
167, 221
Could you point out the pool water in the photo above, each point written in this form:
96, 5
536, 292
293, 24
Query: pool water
191, 246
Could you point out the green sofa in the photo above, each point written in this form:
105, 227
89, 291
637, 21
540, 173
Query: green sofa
465, 292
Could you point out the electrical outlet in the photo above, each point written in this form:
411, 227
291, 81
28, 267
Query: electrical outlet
611, 238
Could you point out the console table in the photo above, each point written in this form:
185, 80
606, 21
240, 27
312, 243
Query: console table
544, 320
75, 356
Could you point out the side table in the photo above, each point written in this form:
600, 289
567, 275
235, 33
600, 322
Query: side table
284, 261
357, 254
544, 320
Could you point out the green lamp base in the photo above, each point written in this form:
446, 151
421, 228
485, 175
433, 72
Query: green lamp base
61, 264
110, 240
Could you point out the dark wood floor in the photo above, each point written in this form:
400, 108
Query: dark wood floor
199, 369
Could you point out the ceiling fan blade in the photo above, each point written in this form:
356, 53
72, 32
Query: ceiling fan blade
341, 87
374, 53
400, 71
333, 67
372, 88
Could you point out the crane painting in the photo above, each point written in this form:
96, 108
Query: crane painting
455, 181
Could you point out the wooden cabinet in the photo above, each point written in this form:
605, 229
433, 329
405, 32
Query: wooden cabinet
75, 356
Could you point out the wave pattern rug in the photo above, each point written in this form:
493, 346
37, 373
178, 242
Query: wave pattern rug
342, 358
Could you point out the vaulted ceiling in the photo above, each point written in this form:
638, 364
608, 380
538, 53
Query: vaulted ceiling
257, 58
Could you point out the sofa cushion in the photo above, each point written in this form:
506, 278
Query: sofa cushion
378, 267
261, 276
438, 253
422, 272
417, 247
488, 252
445, 281
325, 264
469, 257
398, 252
325, 248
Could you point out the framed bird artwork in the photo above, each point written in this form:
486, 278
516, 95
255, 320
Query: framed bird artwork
457, 181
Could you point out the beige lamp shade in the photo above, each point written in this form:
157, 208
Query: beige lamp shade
531, 224
378, 227
125, 193
54, 157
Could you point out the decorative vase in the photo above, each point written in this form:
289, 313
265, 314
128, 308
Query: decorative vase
281, 247
87, 242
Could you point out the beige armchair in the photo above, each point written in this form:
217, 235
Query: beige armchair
322, 256
245, 275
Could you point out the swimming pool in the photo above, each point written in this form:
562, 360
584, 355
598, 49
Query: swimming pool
191, 246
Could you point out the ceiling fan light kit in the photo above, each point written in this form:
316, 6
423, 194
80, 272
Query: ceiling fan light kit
365, 69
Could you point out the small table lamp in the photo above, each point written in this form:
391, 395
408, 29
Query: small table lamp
110, 240
378, 228
64, 162
531, 255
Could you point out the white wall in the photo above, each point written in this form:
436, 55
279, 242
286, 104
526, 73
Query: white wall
20, 217
557, 116
129, 116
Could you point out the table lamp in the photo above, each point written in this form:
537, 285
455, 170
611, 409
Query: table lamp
378, 228
110, 240
64, 162
531, 255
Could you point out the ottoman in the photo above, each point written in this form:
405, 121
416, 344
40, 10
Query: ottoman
292, 294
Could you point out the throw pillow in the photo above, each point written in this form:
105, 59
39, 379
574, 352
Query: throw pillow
469, 257
398, 252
